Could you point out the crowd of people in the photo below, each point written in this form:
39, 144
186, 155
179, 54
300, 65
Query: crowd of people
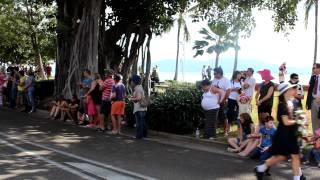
17, 88
101, 99
226, 101
230, 102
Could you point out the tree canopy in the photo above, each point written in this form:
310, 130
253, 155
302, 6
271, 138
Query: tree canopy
16, 30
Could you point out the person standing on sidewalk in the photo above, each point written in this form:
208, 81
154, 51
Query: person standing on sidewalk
223, 83
249, 83
285, 141
210, 104
294, 79
29, 88
139, 110
264, 96
233, 108
204, 72
2, 84
313, 99
118, 94
106, 88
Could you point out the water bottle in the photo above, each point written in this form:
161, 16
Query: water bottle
198, 133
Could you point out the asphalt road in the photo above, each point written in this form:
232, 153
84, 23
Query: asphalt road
33, 147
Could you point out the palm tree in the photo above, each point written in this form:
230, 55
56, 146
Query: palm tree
308, 6
186, 37
216, 39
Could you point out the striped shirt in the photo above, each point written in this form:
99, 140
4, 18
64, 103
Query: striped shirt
107, 88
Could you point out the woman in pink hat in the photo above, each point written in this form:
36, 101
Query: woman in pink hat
264, 96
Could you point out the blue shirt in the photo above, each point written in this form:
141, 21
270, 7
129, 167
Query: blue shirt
267, 135
30, 80
86, 86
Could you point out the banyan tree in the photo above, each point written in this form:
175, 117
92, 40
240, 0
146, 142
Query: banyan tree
100, 34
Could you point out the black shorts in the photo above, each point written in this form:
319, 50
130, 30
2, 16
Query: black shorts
265, 109
105, 107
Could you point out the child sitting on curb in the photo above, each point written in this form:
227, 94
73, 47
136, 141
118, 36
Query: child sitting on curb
245, 130
262, 152
314, 154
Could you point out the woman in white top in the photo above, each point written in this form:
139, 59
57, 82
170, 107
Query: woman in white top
210, 104
233, 108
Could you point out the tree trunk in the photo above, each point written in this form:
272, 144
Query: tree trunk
143, 57
236, 53
217, 59
84, 52
148, 68
65, 38
34, 38
316, 32
178, 49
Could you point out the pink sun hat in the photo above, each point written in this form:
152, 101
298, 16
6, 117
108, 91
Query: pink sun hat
266, 75
244, 97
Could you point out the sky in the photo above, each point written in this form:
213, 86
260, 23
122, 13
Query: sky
265, 48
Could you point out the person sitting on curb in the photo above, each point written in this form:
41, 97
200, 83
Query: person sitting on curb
55, 107
245, 130
263, 150
314, 154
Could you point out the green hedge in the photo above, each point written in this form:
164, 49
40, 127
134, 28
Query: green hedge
44, 89
177, 110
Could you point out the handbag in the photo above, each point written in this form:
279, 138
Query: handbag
144, 102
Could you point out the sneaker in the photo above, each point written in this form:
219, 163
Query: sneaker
32, 111
90, 126
267, 173
302, 177
258, 174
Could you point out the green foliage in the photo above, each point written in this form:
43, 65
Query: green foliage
16, 30
156, 14
284, 16
178, 110
217, 39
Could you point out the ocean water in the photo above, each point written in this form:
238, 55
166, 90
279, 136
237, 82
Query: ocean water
192, 77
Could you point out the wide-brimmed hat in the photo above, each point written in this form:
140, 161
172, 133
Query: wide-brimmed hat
283, 87
266, 75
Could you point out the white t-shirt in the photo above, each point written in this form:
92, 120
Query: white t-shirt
252, 83
222, 83
234, 94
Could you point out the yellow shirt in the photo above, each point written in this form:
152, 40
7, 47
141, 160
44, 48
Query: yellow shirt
22, 83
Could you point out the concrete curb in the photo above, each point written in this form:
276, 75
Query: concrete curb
164, 135
185, 138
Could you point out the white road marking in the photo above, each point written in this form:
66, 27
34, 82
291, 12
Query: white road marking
100, 172
120, 170
61, 166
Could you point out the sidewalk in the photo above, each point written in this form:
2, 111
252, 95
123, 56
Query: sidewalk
188, 142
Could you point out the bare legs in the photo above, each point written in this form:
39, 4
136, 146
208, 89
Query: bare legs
252, 144
116, 123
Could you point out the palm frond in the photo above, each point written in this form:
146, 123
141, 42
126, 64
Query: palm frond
212, 49
207, 34
199, 53
200, 44
308, 5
